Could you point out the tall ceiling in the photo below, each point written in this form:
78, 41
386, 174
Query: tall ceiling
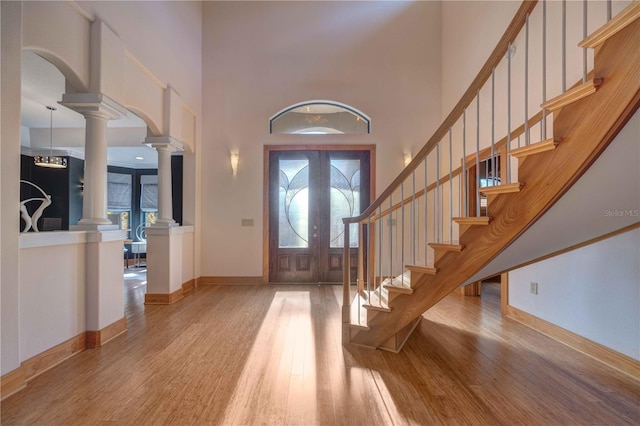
43, 85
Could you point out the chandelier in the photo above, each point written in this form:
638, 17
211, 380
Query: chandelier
50, 161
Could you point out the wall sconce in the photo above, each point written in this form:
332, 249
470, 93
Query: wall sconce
407, 158
234, 156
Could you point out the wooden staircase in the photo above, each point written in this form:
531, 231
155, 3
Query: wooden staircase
586, 119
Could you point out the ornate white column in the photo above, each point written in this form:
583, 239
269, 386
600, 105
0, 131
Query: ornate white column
104, 299
97, 110
165, 146
165, 238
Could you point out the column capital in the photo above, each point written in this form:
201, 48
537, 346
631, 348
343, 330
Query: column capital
164, 143
94, 104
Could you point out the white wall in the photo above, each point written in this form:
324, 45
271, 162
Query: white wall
164, 35
593, 291
10, 197
382, 58
187, 256
52, 296
470, 31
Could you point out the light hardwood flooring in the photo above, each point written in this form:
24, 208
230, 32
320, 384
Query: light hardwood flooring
253, 354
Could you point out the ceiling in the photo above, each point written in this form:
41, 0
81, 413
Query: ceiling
43, 85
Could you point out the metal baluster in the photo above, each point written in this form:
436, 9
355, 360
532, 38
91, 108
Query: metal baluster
390, 242
413, 218
437, 194
608, 10
426, 219
509, 115
486, 173
450, 187
493, 133
478, 153
347, 301
464, 162
584, 35
369, 251
526, 82
564, 46
402, 238
347, 228
543, 125
380, 221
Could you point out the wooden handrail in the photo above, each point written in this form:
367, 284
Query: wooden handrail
494, 59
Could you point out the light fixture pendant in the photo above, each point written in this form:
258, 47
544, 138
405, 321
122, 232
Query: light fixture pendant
50, 161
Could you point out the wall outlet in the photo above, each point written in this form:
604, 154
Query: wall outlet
533, 287
247, 222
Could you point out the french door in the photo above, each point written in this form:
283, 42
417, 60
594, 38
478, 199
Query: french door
309, 194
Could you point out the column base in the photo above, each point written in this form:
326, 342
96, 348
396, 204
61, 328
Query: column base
165, 223
84, 226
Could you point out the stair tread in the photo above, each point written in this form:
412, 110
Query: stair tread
448, 246
617, 23
373, 307
423, 269
502, 189
534, 148
472, 220
572, 95
399, 289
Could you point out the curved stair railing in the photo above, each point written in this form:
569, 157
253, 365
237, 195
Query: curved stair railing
467, 193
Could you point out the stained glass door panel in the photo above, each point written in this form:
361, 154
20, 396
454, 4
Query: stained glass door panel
346, 185
309, 194
293, 216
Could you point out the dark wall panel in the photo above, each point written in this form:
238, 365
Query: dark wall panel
76, 179
54, 182
176, 187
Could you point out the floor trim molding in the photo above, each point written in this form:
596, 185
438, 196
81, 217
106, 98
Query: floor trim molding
17, 379
163, 298
95, 339
12, 382
601, 353
230, 280
189, 285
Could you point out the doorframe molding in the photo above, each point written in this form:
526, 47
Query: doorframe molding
265, 186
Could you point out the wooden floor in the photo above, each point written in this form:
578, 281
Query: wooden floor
239, 355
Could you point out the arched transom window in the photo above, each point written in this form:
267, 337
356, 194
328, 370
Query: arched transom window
320, 117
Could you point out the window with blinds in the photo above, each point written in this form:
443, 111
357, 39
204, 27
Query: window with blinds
118, 192
149, 193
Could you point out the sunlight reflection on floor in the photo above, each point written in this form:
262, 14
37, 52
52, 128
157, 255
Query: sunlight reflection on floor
279, 376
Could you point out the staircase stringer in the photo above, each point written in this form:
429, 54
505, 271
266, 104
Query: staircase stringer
586, 128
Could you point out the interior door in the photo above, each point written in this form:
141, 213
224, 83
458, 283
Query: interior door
309, 194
